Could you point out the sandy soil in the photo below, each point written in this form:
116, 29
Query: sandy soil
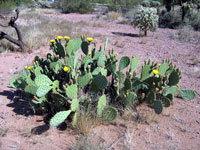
178, 128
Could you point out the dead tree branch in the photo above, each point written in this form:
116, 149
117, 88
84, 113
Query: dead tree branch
19, 42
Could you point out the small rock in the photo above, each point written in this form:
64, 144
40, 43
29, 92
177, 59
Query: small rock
194, 71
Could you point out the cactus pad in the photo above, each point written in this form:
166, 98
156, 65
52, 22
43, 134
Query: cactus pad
72, 91
85, 47
170, 90
60, 49
83, 80
75, 104
187, 94
130, 99
100, 82
42, 80
124, 62
163, 68
109, 114
158, 107
31, 89
101, 104
134, 63
59, 118
43, 90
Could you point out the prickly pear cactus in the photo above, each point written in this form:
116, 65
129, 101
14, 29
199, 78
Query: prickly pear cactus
158, 107
72, 91
101, 105
43, 90
75, 104
109, 114
187, 94
59, 118
124, 62
100, 82
83, 80
42, 80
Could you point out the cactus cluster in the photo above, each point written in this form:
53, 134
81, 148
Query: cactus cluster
146, 19
68, 81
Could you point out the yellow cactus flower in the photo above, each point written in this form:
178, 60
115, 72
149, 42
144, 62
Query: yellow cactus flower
90, 39
66, 69
66, 37
59, 37
90, 53
155, 72
25, 67
159, 64
30, 67
52, 41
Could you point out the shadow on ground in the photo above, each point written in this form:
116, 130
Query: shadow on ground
125, 34
18, 102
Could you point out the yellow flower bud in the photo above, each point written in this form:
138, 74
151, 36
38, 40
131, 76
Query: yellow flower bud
66, 37
155, 72
90, 53
52, 41
30, 67
25, 67
90, 39
159, 64
66, 69
59, 37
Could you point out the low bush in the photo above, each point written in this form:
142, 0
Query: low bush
80, 6
66, 84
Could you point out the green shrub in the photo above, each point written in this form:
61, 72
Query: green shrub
63, 85
170, 19
80, 6
146, 19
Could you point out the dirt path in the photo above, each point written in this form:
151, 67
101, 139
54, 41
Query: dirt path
178, 128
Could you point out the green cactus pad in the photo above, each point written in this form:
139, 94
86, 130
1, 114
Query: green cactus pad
75, 119
134, 64
59, 118
83, 80
170, 90
42, 80
124, 62
109, 114
166, 101
158, 107
13, 82
101, 105
85, 47
151, 97
43, 90
163, 68
97, 54
187, 94
89, 61
38, 71
104, 72
29, 80
96, 71
85, 59
75, 104
73, 46
100, 82
106, 44
101, 60
60, 49
174, 78
22, 75
127, 84
31, 89
131, 99
55, 86
72, 91
146, 71
69, 61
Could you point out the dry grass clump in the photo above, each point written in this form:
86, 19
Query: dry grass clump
112, 16
87, 121
85, 143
